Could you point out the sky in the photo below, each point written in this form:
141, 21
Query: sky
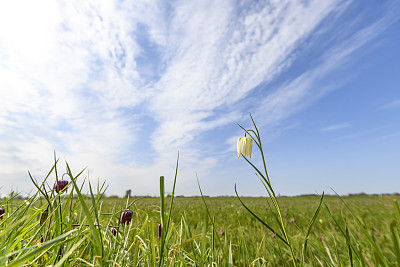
119, 88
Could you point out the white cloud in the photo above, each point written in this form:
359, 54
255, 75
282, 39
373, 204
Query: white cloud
334, 127
75, 77
216, 57
306, 88
391, 105
66, 68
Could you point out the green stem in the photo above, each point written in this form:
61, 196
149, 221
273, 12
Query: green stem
275, 200
277, 203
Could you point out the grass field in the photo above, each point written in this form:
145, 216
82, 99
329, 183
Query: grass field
251, 243
221, 234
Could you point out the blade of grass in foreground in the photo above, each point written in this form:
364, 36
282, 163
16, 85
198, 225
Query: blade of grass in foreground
33, 253
359, 256
96, 213
378, 252
395, 238
396, 207
97, 240
348, 246
313, 219
172, 196
211, 218
189, 233
166, 225
162, 219
255, 216
69, 252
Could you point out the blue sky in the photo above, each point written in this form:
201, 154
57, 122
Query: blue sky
120, 87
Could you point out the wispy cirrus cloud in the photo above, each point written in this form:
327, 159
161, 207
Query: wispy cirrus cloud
390, 105
315, 82
335, 127
120, 82
218, 57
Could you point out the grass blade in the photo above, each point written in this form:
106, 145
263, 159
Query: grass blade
258, 218
37, 250
97, 240
395, 238
313, 219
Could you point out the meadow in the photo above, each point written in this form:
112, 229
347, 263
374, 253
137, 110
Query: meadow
221, 234
61, 225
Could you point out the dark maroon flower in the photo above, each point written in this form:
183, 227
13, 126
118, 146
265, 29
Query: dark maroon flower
60, 186
113, 231
2, 211
159, 231
221, 232
126, 216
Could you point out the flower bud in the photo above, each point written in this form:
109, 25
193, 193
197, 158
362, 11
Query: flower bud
126, 216
2, 211
244, 146
60, 186
159, 231
113, 231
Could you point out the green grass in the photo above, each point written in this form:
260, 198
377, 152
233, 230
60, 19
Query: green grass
234, 238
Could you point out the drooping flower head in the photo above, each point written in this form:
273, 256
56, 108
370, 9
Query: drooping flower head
60, 186
126, 216
244, 146
159, 230
2, 211
113, 231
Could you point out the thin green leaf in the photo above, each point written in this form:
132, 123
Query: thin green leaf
255, 216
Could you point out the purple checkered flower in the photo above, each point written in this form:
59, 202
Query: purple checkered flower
60, 186
113, 231
159, 230
2, 211
126, 216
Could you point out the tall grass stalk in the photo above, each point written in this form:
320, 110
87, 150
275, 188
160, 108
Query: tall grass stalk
254, 134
